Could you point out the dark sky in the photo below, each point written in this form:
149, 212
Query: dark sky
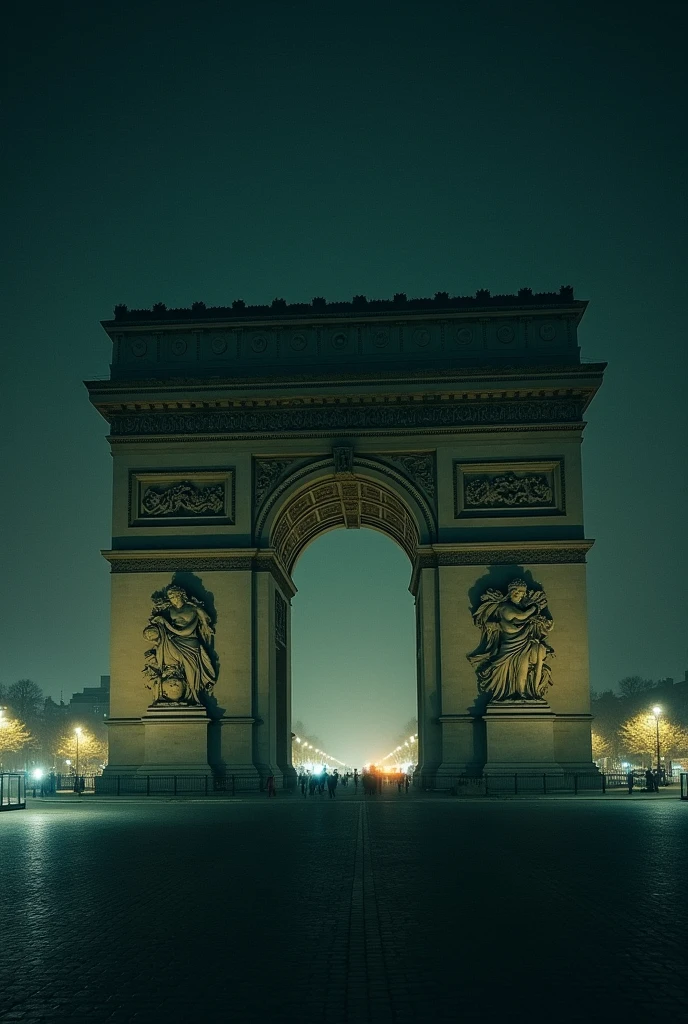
211, 151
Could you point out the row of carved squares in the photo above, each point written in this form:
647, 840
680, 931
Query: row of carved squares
331, 509
325, 492
395, 505
289, 546
393, 520
281, 532
369, 509
388, 528
298, 507
307, 524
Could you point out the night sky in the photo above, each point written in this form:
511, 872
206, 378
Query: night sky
210, 151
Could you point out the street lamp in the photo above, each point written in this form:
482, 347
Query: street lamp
657, 711
77, 733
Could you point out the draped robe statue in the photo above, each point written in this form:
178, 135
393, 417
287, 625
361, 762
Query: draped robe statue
511, 660
179, 665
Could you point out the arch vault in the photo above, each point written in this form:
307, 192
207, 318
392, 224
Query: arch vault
240, 434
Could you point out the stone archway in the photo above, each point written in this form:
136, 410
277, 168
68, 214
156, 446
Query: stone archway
453, 425
350, 502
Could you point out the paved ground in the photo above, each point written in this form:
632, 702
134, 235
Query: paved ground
400, 909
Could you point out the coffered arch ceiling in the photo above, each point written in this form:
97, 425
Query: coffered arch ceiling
336, 501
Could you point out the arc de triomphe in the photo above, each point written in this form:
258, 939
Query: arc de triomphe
239, 434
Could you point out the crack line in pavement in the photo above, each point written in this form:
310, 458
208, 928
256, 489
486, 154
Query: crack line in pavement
368, 994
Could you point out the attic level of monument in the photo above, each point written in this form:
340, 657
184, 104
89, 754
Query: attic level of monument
282, 340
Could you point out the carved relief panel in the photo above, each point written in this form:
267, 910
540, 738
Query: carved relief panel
510, 488
187, 497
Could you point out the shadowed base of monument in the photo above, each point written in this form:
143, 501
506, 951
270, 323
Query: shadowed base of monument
520, 737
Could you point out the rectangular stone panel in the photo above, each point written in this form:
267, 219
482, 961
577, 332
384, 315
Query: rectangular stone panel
530, 487
186, 497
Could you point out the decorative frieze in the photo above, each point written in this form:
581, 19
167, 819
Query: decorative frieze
181, 500
508, 488
344, 419
188, 497
162, 564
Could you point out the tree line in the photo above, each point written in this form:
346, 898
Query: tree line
624, 726
35, 731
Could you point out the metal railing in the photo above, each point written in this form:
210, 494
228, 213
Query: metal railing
12, 791
130, 784
176, 785
536, 783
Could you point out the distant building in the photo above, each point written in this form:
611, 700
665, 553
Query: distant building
93, 702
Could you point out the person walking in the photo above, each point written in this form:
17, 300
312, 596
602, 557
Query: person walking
302, 783
332, 781
406, 783
355, 780
649, 781
630, 780
271, 786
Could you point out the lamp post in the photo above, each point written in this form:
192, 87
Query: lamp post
657, 711
77, 733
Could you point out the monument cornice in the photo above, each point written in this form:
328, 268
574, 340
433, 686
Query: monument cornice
200, 560
105, 392
517, 552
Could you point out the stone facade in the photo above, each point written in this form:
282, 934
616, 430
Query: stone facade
239, 437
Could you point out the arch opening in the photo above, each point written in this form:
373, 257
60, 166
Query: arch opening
353, 647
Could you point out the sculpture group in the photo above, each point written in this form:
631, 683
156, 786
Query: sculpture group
511, 660
179, 665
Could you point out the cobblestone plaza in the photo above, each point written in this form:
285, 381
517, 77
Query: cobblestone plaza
400, 908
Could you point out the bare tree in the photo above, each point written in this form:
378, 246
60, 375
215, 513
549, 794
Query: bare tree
24, 699
632, 686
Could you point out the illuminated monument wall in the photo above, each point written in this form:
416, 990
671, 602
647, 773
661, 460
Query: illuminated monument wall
239, 434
